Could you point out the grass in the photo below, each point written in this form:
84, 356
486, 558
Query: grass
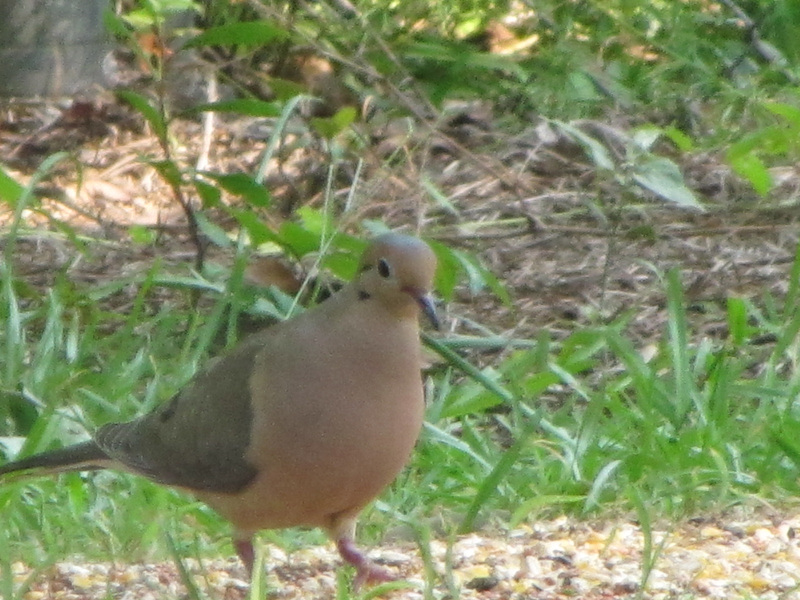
587, 425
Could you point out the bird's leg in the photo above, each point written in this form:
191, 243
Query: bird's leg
246, 553
343, 530
366, 570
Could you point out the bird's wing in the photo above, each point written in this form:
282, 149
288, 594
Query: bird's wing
199, 438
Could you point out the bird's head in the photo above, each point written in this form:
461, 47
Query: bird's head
397, 270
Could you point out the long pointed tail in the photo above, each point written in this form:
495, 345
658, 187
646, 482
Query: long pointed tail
85, 456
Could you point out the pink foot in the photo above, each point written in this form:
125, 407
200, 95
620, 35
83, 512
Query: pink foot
366, 570
244, 548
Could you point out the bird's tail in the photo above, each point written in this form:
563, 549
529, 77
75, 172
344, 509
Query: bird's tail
85, 456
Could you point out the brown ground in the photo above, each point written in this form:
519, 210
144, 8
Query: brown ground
555, 560
572, 247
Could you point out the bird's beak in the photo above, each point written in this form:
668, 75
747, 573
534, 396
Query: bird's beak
428, 306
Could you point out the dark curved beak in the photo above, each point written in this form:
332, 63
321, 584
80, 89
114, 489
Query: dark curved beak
428, 306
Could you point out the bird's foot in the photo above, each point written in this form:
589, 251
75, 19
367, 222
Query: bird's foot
367, 572
370, 573
247, 554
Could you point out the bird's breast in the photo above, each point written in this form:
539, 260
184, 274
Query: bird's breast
330, 437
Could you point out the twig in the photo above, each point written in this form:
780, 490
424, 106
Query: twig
212, 95
185, 203
765, 50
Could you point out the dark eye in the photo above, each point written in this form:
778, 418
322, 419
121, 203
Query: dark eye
383, 268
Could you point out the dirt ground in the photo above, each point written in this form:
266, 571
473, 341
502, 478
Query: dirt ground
554, 560
571, 247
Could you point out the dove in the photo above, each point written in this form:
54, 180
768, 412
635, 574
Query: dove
302, 424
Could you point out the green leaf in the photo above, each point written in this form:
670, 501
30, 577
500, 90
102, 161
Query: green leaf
333, 126
143, 106
495, 62
144, 236
786, 438
10, 189
645, 137
169, 171
582, 87
209, 194
596, 151
491, 482
115, 25
793, 293
342, 265
447, 273
737, 320
256, 229
248, 34
789, 112
608, 84
773, 140
680, 139
442, 437
473, 398
599, 483
478, 277
470, 25
463, 56
663, 177
314, 220
284, 89
298, 239
167, 7
678, 342
140, 20
752, 168
470, 370
244, 186
247, 106
438, 196
212, 231
186, 578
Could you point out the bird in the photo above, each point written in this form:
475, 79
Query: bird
301, 424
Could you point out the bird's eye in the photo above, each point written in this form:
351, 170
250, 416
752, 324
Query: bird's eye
383, 268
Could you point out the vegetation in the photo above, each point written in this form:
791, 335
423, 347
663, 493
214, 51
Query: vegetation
593, 421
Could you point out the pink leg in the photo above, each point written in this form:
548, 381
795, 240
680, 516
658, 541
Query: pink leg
244, 548
366, 570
